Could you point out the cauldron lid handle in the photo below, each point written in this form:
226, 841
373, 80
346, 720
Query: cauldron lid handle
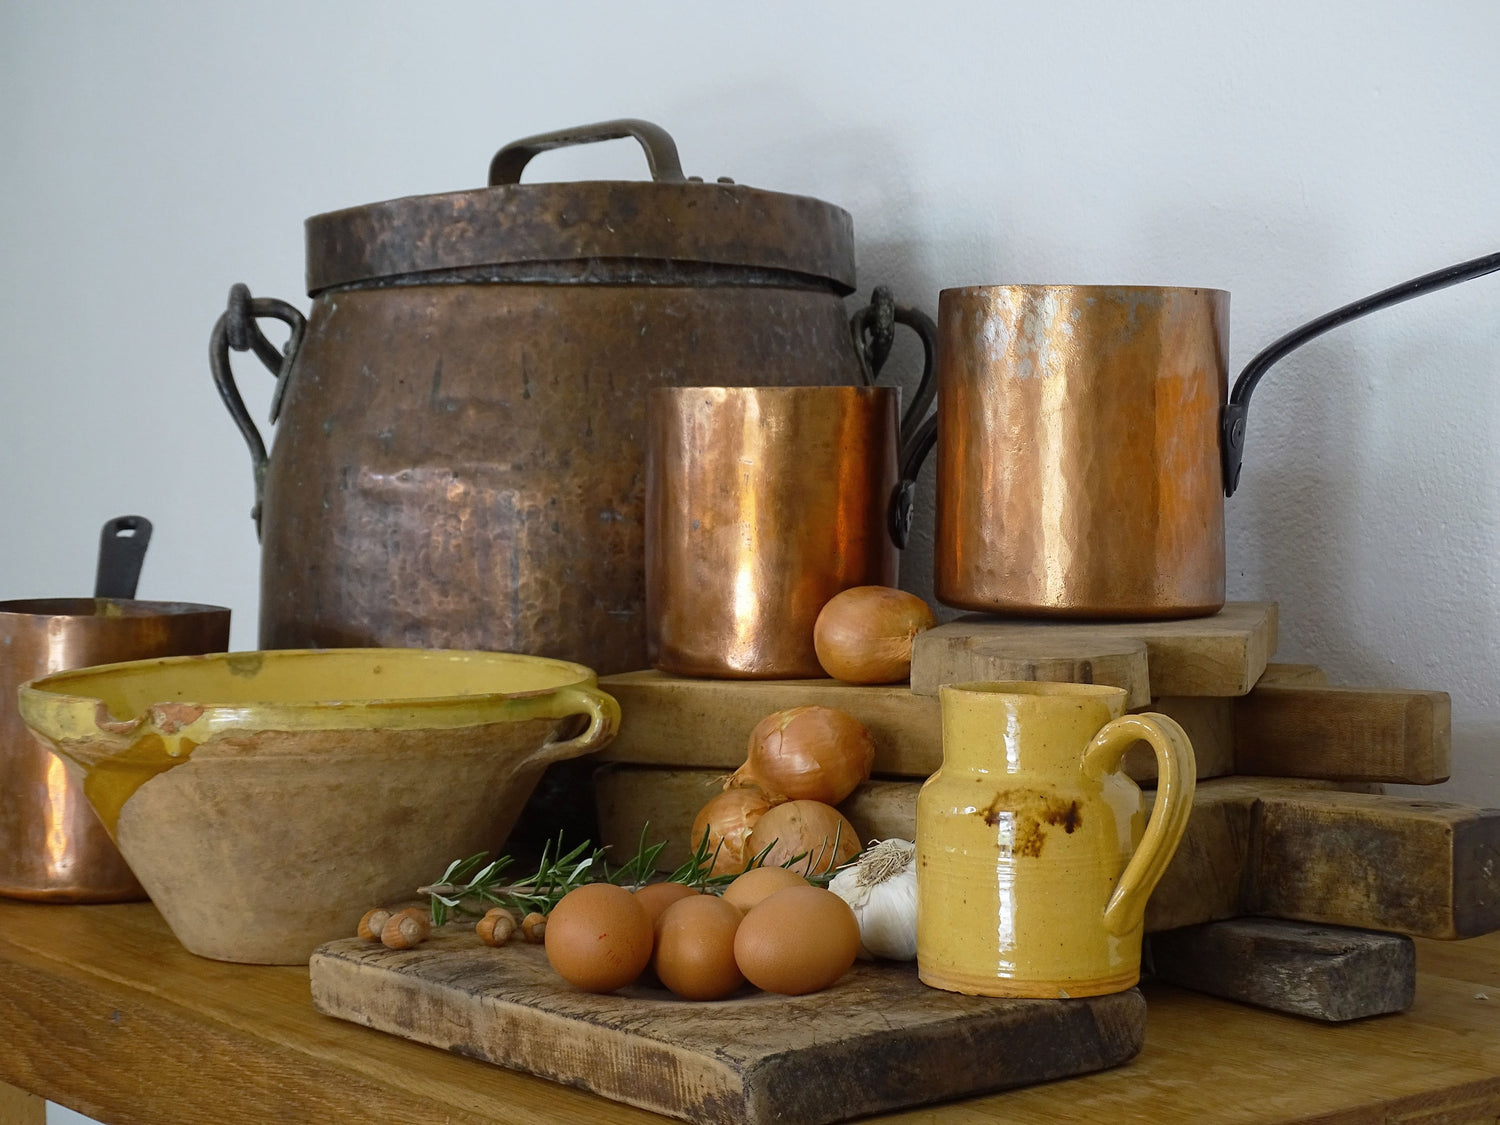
660, 149
1232, 421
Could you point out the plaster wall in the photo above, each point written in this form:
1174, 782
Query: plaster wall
1299, 155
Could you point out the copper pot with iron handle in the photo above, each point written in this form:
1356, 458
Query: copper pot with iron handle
1086, 443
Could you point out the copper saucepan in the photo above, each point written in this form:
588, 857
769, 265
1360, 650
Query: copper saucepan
52, 846
1087, 444
764, 502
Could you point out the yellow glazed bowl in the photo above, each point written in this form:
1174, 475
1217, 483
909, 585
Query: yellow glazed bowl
265, 800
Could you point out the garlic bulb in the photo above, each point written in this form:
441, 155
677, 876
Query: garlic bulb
881, 888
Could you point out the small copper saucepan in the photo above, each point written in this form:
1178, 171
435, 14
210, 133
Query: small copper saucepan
764, 502
53, 847
761, 504
1085, 443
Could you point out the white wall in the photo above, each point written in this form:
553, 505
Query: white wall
1297, 154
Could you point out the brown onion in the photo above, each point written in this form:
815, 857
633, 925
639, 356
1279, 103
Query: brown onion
728, 819
808, 753
864, 635
817, 832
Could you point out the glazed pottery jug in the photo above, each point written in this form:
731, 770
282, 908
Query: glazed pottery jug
1034, 857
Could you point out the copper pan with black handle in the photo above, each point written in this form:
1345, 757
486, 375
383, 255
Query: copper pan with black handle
1087, 439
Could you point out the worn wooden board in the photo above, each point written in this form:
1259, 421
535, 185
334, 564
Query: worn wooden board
17, 1107
1070, 655
1222, 655
1278, 673
680, 721
1209, 724
1295, 729
1329, 973
1208, 878
1427, 868
877, 1040
1295, 849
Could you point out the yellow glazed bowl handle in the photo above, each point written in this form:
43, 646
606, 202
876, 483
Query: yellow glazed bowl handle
581, 699
1176, 780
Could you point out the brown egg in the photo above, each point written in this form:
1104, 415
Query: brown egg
756, 884
598, 937
796, 941
695, 948
656, 897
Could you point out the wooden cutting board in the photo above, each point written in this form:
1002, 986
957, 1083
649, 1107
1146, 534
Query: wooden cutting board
876, 1041
1222, 655
1296, 849
680, 721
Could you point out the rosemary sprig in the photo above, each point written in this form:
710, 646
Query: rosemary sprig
471, 881
470, 886
640, 868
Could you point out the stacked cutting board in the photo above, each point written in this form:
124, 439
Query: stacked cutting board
1297, 886
1290, 826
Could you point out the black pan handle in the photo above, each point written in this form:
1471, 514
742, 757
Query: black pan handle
874, 330
122, 550
1232, 421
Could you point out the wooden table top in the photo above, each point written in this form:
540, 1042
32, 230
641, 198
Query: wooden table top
102, 1010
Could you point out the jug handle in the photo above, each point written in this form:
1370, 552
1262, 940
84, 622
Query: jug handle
236, 328
660, 149
1232, 420
874, 330
1176, 781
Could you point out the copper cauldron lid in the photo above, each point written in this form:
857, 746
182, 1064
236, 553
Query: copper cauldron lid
666, 230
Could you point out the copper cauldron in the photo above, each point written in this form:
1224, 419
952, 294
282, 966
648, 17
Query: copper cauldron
1085, 444
459, 457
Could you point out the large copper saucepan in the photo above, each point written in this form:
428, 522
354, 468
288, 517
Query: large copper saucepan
1085, 443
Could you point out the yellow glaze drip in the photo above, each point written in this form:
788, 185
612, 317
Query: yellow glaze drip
110, 781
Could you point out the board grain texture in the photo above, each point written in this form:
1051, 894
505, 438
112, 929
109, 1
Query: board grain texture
1289, 729
877, 1040
17, 1107
681, 721
1072, 656
1329, 973
1290, 848
1380, 862
137, 1031
1222, 655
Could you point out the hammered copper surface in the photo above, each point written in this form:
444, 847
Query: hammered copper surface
591, 225
761, 504
1078, 464
52, 845
462, 465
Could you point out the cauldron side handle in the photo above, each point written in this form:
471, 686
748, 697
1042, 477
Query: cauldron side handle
874, 330
236, 328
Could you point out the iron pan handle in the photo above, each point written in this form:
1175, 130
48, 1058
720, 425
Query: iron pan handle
1232, 420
